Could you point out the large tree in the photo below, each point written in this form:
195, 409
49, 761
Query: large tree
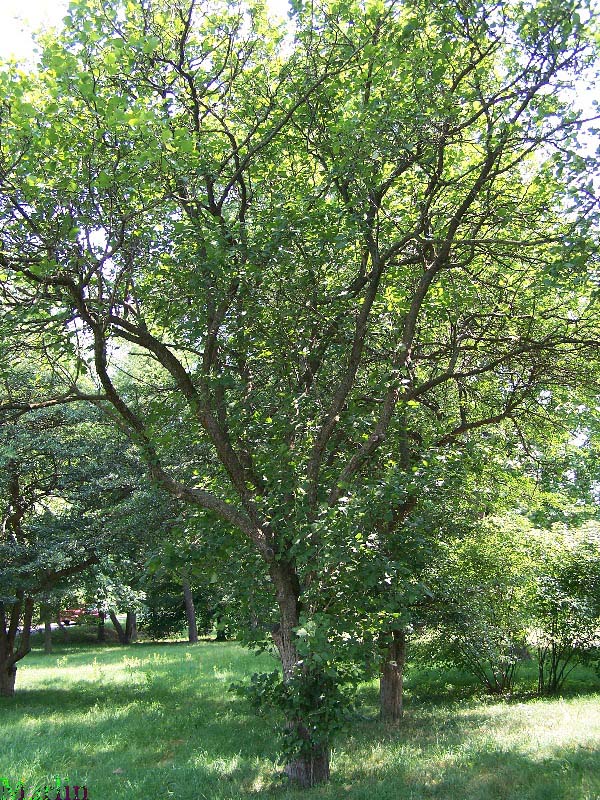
72, 496
48, 533
345, 250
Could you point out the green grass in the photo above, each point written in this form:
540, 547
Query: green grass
156, 721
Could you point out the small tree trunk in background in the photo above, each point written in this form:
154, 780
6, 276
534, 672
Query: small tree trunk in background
64, 629
221, 631
391, 679
190, 612
101, 635
130, 627
45, 615
118, 627
47, 636
129, 633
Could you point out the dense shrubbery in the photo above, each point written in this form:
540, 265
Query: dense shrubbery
507, 593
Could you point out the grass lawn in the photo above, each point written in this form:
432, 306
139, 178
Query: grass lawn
154, 721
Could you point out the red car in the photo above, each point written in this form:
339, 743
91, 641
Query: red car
71, 615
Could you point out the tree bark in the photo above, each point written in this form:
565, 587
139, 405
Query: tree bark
65, 630
101, 634
130, 627
47, 636
45, 614
190, 612
129, 633
311, 766
221, 630
391, 679
14, 646
310, 769
118, 627
8, 676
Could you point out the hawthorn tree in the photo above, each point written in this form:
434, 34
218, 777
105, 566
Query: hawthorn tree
344, 250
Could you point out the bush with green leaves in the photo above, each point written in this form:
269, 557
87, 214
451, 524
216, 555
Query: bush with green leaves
482, 586
566, 609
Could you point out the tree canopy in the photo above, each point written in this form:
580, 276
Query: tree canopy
344, 251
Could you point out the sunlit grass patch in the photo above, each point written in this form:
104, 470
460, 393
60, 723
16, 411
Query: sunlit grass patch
158, 720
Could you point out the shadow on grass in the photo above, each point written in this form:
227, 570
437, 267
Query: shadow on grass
465, 751
437, 686
173, 730
113, 652
172, 726
466, 774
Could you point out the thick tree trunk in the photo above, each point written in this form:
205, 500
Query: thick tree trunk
311, 766
101, 634
391, 679
7, 679
190, 612
13, 646
118, 627
130, 627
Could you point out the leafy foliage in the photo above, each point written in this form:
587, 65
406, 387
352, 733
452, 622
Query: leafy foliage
483, 593
319, 698
163, 609
567, 604
322, 244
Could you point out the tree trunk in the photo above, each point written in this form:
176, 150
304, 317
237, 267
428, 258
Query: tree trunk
130, 627
47, 636
311, 766
118, 627
45, 614
190, 612
14, 646
7, 680
391, 679
221, 631
65, 630
129, 633
101, 635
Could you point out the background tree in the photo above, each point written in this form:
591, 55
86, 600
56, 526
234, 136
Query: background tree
72, 498
140, 520
48, 534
